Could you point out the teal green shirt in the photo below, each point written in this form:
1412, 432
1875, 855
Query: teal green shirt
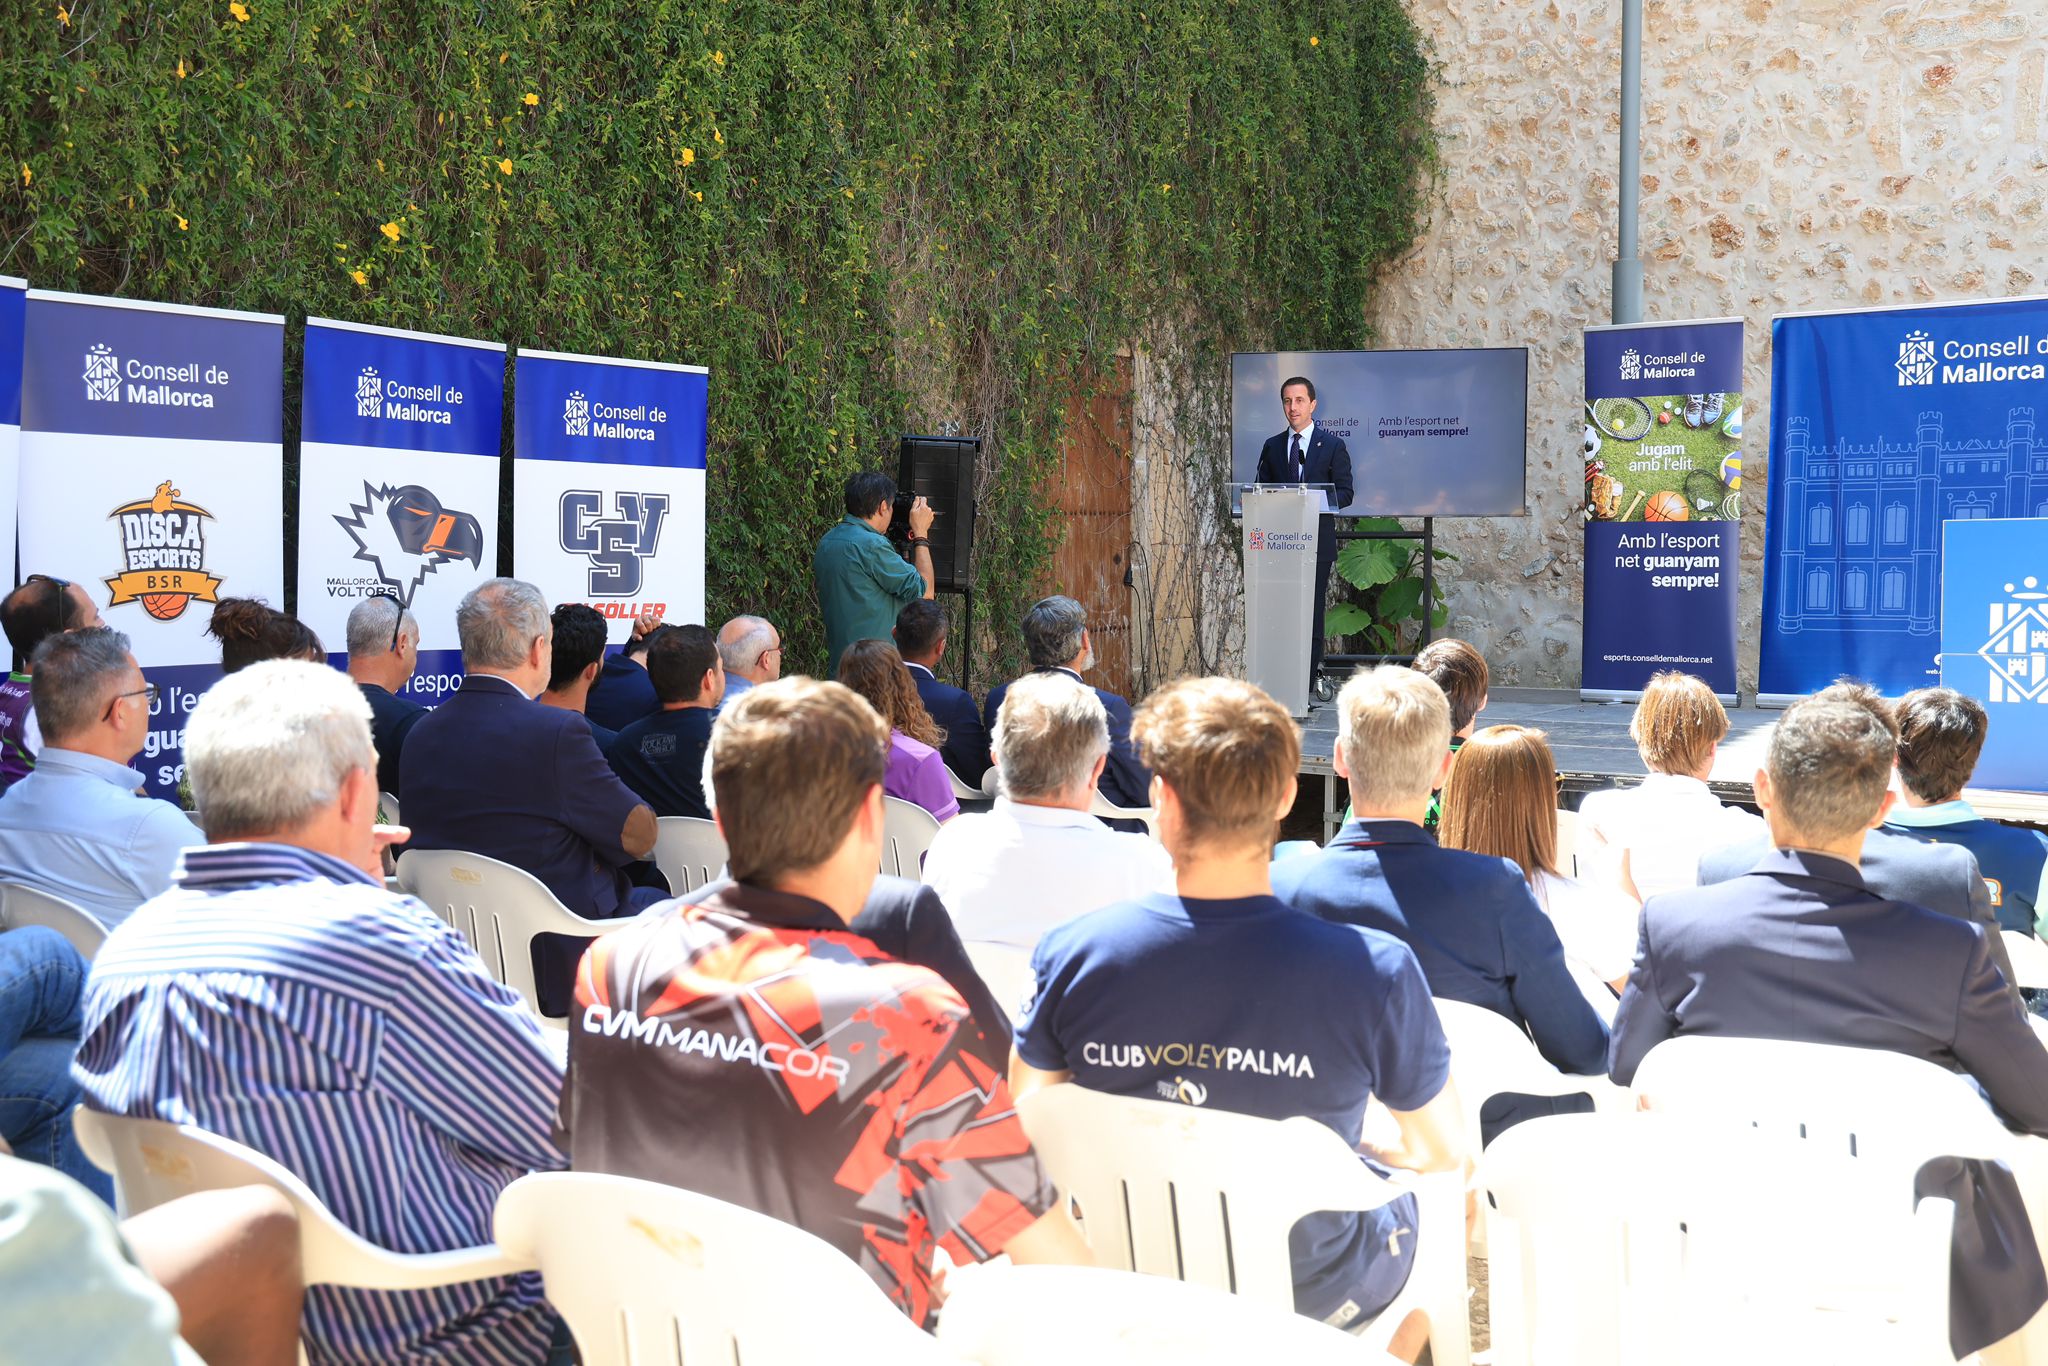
862, 584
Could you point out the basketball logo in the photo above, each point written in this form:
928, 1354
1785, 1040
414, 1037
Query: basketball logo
1666, 507
163, 547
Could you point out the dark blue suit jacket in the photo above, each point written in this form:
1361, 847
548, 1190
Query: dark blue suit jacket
622, 694
1471, 920
1802, 949
493, 772
966, 747
1329, 462
1125, 780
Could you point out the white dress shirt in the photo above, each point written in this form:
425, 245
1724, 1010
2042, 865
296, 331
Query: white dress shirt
1010, 874
75, 828
1664, 826
1597, 925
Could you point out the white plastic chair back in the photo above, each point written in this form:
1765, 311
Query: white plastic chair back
496, 907
1626, 1239
997, 1315
154, 1162
1209, 1196
653, 1275
689, 851
907, 832
962, 792
387, 809
1490, 1055
2029, 958
1006, 970
1108, 810
22, 905
1568, 842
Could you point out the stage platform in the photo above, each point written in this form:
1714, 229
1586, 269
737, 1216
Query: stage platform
1593, 751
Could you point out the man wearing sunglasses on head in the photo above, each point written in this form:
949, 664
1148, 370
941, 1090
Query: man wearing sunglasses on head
75, 827
383, 650
40, 608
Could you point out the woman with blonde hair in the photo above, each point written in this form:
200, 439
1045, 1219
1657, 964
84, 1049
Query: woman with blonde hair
1501, 799
1649, 839
917, 772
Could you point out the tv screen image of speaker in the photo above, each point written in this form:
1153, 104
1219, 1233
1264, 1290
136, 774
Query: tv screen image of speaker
1431, 433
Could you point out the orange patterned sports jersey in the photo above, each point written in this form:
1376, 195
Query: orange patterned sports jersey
750, 1047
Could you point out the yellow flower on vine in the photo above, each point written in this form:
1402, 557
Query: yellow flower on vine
1314, 41
392, 231
26, 175
240, 11
63, 17
182, 224
689, 156
505, 166
1166, 188
718, 137
718, 57
698, 195
181, 68
529, 99
359, 277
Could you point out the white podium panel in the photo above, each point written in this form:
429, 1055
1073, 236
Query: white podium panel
1280, 527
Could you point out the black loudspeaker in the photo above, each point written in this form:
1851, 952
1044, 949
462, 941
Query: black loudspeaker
941, 469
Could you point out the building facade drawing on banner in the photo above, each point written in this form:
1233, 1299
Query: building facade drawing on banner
1859, 533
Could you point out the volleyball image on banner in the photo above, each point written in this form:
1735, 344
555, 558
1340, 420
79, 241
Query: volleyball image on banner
608, 484
398, 483
176, 414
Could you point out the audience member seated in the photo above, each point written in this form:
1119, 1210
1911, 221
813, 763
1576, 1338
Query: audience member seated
579, 637
860, 1111
1941, 733
1118, 983
750, 648
921, 639
1460, 671
40, 608
383, 651
622, 694
1056, 641
493, 772
250, 631
280, 997
41, 978
1038, 858
76, 827
917, 774
661, 757
1894, 866
1471, 919
1647, 840
1501, 799
211, 1277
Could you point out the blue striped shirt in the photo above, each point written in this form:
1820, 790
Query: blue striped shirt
285, 1000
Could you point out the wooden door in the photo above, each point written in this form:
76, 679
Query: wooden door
1094, 498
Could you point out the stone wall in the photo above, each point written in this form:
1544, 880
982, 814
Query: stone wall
1797, 154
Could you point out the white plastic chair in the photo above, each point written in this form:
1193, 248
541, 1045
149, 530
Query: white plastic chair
1110, 811
22, 905
387, 809
653, 1275
689, 851
963, 792
1630, 1239
1568, 842
1209, 1196
907, 832
998, 1315
1490, 1055
154, 1162
497, 908
1006, 969
2029, 958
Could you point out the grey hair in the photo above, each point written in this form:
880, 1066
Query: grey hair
373, 622
1830, 762
1052, 631
1049, 732
744, 650
75, 673
268, 747
1394, 726
498, 621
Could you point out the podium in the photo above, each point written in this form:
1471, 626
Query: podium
1280, 527
1994, 641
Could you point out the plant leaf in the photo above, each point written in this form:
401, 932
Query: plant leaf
1368, 564
1401, 601
1346, 619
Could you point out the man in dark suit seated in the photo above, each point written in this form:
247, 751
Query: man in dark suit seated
1056, 641
661, 757
622, 693
921, 640
1309, 454
493, 772
1895, 866
1471, 920
383, 649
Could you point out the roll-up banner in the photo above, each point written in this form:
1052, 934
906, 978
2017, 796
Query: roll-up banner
398, 483
152, 472
1663, 446
608, 484
1885, 424
13, 307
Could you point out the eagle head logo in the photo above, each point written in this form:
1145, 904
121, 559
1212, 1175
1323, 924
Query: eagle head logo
404, 533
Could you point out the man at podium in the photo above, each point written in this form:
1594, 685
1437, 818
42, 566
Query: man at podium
1307, 454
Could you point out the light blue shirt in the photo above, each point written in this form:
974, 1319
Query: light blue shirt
734, 686
75, 828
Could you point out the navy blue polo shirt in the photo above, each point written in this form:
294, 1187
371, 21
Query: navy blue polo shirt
622, 694
2012, 858
661, 757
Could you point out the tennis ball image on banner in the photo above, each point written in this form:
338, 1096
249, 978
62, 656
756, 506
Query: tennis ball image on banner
1664, 458
163, 544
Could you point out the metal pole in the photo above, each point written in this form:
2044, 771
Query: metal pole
1628, 265
1428, 576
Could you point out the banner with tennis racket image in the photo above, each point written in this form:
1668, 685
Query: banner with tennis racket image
1662, 440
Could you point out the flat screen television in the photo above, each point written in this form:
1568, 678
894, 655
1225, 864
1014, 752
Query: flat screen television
1431, 433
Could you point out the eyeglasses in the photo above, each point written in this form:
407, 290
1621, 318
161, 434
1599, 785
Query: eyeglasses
147, 690
398, 621
771, 650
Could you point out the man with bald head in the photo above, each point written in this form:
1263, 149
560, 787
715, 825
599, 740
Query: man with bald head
750, 648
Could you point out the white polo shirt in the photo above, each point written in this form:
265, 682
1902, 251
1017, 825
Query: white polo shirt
1665, 826
1010, 874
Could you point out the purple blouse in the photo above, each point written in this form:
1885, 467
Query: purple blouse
917, 774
